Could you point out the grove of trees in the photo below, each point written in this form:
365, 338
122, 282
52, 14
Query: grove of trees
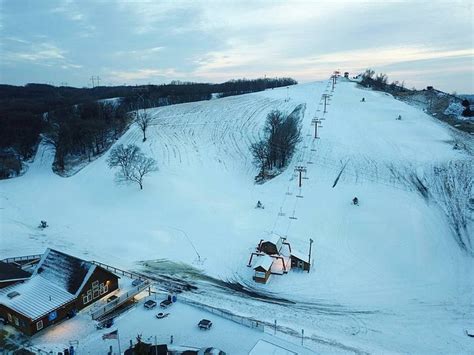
274, 150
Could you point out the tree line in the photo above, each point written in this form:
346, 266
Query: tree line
273, 152
79, 125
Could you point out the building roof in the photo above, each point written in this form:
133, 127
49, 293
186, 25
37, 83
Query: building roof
276, 240
264, 262
9, 272
299, 255
66, 271
58, 279
36, 297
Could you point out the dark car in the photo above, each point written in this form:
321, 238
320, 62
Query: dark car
137, 282
205, 324
150, 304
112, 298
165, 303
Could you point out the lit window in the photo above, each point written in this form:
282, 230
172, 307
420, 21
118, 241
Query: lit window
39, 325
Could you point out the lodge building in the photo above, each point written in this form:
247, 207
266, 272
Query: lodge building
275, 256
57, 287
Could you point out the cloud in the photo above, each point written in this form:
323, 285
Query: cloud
144, 74
44, 54
143, 53
40, 52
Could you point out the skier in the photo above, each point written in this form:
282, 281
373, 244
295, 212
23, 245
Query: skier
355, 201
399, 117
259, 204
363, 99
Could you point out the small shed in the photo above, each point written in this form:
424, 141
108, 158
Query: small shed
346, 74
263, 268
300, 261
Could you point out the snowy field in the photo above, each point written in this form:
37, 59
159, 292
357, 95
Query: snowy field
388, 275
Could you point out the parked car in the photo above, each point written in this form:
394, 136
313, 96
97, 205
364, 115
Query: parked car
105, 324
137, 282
165, 303
112, 298
150, 304
205, 324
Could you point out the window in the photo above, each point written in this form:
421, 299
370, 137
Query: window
103, 288
84, 299
10, 320
39, 325
95, 284
96, 293
260, 274
15, 320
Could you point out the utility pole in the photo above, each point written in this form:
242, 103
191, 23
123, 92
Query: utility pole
333, 81
309, 258
325, 97
315, 122
300, 169
98, 80
93, 81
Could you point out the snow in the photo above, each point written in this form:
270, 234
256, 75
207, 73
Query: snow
181, 323
387, 275
263, 261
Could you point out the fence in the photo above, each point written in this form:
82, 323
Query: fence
22, 258
115, 270
109, 307
248, 322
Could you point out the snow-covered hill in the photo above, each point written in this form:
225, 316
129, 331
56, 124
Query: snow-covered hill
388, 275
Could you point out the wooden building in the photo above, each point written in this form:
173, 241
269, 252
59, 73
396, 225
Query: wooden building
59, 287
273, 246
262, 268
300, 261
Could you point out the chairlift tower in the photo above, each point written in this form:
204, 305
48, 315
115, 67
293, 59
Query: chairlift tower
316, 122
300, 170
325, 98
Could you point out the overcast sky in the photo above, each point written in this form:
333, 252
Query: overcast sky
136, 42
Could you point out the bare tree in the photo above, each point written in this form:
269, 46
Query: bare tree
143, 120
132, 163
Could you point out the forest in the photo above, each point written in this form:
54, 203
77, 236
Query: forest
80, 123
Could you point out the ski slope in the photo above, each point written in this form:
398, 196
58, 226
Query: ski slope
387, 275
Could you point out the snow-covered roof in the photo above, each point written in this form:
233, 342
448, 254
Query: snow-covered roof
66, 271
36, 297
300, 255
263, 261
